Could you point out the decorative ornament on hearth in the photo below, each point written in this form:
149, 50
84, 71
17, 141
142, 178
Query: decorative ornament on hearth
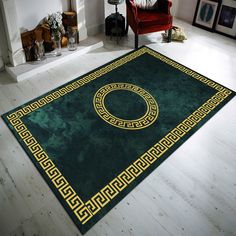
55, 22
57, 31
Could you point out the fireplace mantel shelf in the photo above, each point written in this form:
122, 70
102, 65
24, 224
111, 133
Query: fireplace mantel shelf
27, 70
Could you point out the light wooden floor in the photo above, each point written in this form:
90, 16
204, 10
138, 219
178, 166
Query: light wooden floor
192, 193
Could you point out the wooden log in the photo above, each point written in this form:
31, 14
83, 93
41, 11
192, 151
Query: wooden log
69, 18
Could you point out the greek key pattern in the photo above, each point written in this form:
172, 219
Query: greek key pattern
66, 191
146, 120
99, 200
186, 70
56, 94
84, 211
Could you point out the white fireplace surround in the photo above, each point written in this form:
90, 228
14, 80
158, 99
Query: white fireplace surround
15, 50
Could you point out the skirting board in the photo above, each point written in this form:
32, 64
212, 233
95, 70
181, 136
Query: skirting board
28, 70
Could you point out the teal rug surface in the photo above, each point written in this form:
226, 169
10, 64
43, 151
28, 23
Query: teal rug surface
95, 138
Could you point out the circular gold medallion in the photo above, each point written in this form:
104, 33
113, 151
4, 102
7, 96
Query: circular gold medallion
143, 122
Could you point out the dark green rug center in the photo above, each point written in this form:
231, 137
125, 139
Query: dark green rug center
125, 104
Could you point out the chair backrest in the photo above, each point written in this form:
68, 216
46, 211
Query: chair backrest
148, 21
162, 5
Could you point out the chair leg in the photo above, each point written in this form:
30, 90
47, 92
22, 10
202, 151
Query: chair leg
136, 41
126, 28
169, 35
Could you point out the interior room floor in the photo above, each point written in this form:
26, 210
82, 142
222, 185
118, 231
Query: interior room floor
192, 193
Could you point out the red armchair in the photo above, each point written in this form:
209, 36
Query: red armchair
148, 21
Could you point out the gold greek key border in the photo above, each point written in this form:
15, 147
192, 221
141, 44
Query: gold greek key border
143, 122
84, 211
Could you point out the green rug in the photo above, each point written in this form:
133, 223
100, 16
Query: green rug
95, 138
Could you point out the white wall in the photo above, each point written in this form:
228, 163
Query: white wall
94, 15
31, 12
174, 8
185, 9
